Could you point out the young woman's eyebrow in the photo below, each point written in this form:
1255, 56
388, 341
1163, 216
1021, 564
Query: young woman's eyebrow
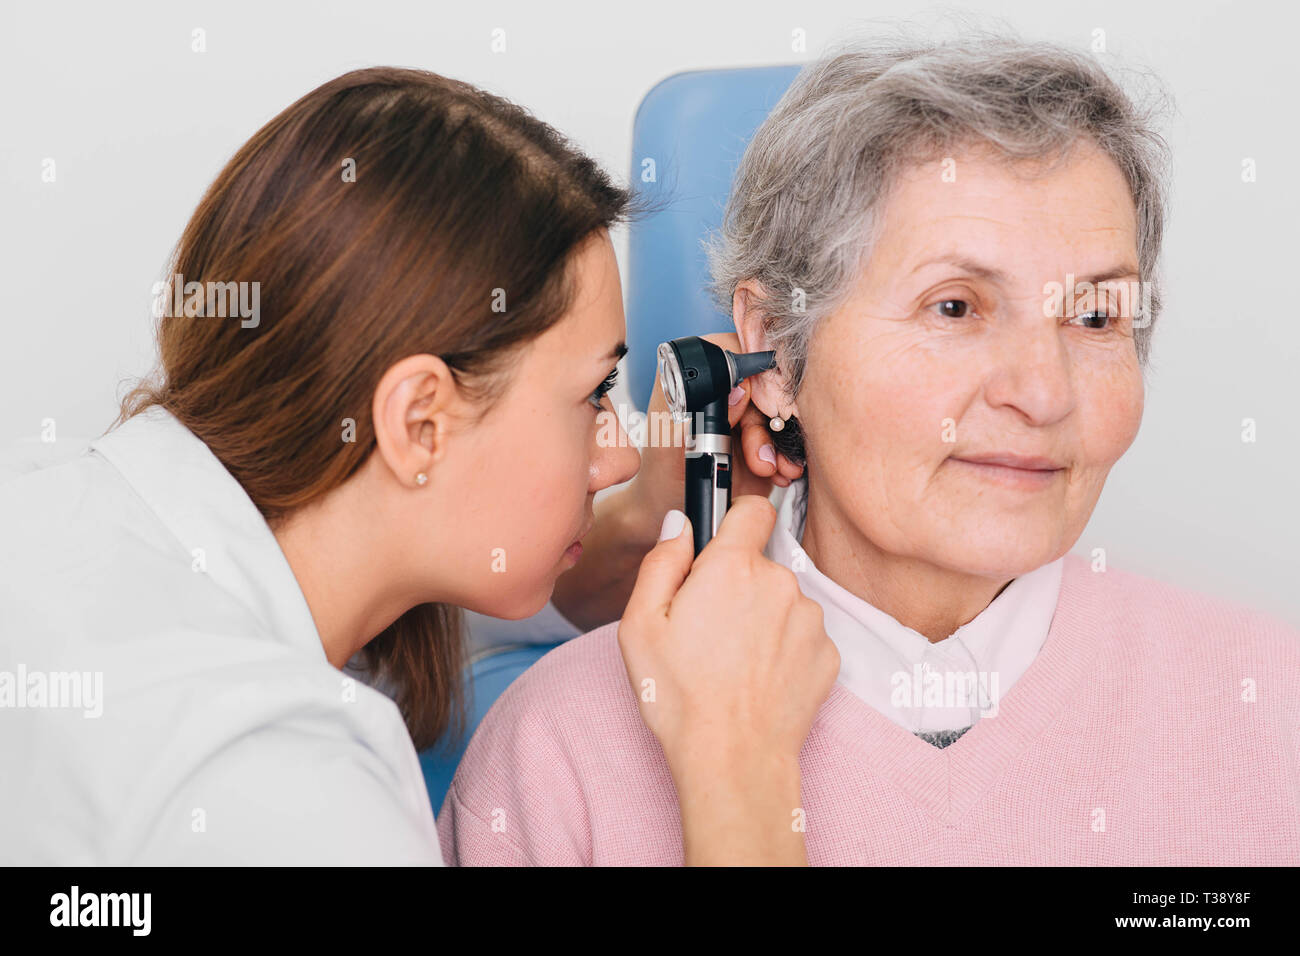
613, 355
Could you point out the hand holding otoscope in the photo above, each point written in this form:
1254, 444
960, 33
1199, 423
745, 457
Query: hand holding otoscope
738, 658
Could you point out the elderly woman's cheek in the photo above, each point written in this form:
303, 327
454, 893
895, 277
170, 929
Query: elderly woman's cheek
1113, 398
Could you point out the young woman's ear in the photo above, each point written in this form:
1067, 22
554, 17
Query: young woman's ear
411, 411
767, 389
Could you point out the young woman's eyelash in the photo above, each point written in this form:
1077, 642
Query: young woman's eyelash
604, 387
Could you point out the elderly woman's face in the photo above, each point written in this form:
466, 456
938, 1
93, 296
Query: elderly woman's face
950, 417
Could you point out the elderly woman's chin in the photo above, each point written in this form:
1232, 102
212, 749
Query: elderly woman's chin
1001, 542
1005, 551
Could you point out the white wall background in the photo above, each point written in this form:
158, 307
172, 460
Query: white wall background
138, 125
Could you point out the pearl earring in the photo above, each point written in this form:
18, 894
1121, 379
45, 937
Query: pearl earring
776, 424
421, 478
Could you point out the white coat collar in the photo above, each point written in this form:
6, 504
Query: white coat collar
202, 504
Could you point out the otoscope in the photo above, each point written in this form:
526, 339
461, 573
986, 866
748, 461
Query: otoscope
697, 377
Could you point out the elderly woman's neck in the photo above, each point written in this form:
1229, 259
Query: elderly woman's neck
931, 600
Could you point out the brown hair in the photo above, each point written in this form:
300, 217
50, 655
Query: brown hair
456, 193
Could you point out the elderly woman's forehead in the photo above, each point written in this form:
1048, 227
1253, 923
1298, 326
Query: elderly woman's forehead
1086, 198
1085, 174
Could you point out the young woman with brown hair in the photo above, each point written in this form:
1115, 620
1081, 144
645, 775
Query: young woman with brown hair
405, 427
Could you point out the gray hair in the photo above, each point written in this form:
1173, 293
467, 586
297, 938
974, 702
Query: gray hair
803, 211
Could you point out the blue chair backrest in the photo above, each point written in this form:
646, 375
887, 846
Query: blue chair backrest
689, 134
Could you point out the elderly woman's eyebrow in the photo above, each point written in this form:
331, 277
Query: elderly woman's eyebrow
994, 274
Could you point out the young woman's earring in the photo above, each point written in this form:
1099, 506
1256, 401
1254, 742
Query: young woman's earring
421, 478
776, 424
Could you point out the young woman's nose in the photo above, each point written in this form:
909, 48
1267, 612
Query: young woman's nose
614, 462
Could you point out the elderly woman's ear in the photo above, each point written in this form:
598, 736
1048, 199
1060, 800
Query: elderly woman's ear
767, 389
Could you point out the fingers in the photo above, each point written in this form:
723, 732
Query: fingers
762, 462
738, 403
662, 572
747, 524
788, 468
761, 456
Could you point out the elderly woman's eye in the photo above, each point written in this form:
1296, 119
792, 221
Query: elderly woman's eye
953, 308
1094, 320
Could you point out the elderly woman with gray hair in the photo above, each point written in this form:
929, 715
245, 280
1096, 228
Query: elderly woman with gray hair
953, 250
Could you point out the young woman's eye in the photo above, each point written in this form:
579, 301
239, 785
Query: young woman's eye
953, 308
603, 388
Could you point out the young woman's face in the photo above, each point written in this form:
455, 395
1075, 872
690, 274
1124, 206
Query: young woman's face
531, 469
945, 361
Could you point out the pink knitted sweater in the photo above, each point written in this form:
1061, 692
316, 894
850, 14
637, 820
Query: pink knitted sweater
1155, 727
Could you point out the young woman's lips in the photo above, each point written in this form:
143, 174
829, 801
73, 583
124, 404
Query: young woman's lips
574, 550
1024, 472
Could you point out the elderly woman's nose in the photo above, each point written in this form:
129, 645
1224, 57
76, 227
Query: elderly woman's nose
1031, 372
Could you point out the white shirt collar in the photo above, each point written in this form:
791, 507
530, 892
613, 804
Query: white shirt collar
897, 670
213, 520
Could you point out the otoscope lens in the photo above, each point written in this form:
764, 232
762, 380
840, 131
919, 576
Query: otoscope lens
670, 375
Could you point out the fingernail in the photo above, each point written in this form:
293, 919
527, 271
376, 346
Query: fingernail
736, 395
674, 521
767, 453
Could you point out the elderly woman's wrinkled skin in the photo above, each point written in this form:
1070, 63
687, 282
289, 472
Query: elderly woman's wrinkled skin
927, 367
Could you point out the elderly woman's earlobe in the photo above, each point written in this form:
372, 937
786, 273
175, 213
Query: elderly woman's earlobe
788, 440
767, 390
768, 393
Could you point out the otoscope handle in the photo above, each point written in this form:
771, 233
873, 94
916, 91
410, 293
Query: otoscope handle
701, 472
708, 482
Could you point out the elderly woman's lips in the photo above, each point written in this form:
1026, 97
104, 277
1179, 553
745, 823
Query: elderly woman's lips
1012, 471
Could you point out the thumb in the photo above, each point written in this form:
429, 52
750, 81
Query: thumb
664, 568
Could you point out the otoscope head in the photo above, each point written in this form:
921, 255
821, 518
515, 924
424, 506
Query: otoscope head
695, 373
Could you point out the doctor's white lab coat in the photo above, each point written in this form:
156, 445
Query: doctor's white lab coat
164, 695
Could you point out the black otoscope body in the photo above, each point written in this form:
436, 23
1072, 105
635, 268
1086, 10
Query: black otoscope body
697, 377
